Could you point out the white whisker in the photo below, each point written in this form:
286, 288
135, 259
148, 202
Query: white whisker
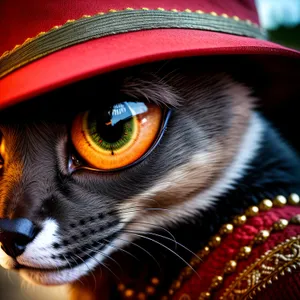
166, 238
164, 246
144, 250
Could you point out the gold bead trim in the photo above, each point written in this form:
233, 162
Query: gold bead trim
262, 236
235, 18
294, 199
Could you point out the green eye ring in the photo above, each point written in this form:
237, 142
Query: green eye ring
111, 138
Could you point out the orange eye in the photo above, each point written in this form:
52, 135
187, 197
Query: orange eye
116, 137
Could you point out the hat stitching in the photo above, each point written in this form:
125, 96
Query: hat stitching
236, 18
91, 27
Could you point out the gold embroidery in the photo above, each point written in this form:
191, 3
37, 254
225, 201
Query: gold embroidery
274, 263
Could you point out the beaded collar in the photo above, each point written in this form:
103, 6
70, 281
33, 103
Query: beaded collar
244, 252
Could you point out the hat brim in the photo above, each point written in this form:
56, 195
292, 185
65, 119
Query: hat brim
110, 53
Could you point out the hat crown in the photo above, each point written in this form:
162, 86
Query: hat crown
48, 44
21, 20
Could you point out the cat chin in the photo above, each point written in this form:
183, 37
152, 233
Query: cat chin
65, 275
60, 277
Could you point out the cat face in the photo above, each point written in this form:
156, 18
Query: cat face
83, 212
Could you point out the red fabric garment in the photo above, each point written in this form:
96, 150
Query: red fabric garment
214, 264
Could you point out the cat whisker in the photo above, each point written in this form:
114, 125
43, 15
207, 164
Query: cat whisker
155, 201
95, 281
71, 267
107, 243
133, 209
155, 226
9, 276
106, 256
101, 263
25, 288
141, 248
67, 261
167, 238
164, 246
136, 208
129, 210
126, 208
78, 265
142, 207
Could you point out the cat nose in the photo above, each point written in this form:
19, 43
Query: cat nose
15, 235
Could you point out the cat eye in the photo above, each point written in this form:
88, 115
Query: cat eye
120, 136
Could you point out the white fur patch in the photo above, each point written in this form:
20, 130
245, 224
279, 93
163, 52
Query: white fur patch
69, 275
38, 253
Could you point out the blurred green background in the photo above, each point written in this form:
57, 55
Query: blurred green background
282, 20
289, 36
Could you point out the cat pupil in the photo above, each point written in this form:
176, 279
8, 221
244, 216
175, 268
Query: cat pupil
110, 133
111, 123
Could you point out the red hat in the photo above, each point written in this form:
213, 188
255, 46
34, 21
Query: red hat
48, 44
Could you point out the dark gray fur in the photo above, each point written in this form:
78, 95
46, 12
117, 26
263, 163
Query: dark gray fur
201, 115
37, 142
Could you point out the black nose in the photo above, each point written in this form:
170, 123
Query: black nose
15, 235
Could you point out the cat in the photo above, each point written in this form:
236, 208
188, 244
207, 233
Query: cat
211, 155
